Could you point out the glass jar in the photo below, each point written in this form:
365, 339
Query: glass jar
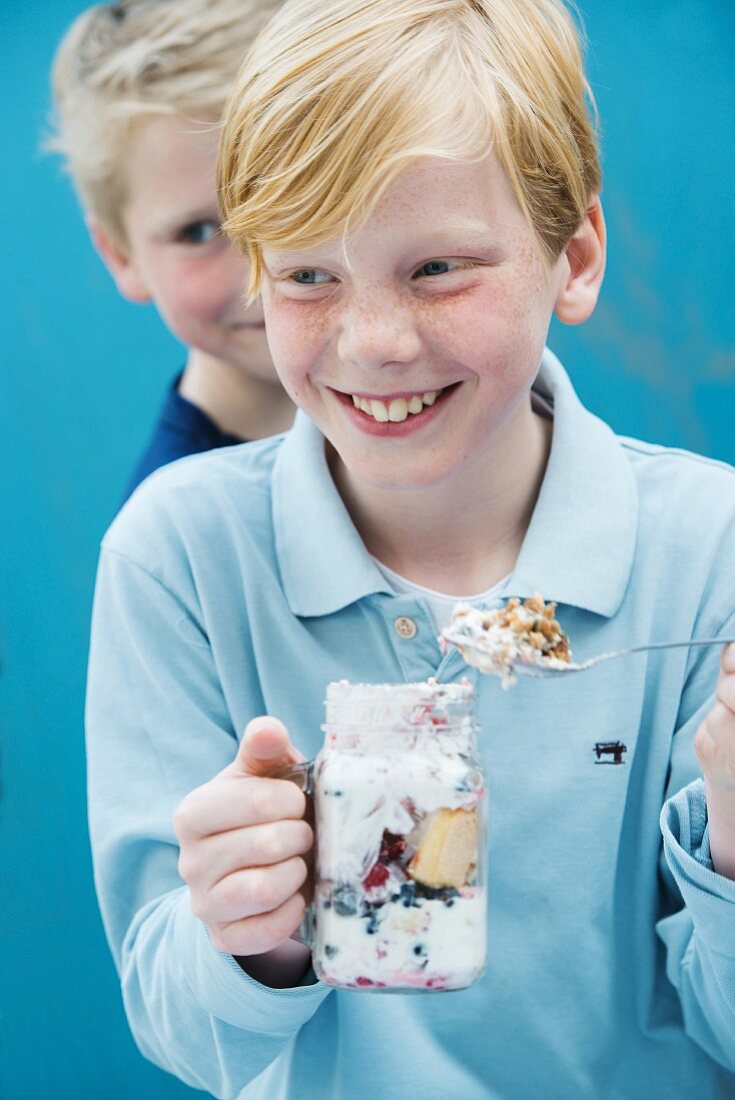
400, 811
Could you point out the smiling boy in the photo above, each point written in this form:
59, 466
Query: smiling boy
139, 89
410, 250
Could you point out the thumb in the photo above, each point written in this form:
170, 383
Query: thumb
265, 748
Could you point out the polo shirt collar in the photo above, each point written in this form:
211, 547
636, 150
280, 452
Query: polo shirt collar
578, 549
580, 544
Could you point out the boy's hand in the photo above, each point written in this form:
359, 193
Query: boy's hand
714, 744
714, 741
242, 839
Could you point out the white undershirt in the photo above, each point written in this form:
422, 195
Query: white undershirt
439, 603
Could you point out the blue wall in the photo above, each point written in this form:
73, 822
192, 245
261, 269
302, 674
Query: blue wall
82, 373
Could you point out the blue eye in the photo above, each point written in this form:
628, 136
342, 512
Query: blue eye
310, 276
198, 232
435, 267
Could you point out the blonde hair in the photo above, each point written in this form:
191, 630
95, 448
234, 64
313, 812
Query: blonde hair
120, 63
337, 96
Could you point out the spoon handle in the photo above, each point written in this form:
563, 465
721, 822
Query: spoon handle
689, 644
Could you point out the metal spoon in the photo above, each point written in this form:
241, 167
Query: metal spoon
552, 667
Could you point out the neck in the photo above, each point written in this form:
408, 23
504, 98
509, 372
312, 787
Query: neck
484, 516
240, 404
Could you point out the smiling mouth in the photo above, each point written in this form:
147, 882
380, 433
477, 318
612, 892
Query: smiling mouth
395, 410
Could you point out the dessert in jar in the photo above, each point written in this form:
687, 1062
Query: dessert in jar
400, 804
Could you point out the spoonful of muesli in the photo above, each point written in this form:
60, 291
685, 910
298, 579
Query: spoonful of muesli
525, 639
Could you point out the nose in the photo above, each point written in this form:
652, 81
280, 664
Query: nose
378, 330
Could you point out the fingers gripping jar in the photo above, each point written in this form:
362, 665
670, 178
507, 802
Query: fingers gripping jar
400, 805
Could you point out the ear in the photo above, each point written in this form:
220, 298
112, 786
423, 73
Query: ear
584, 268
119, 263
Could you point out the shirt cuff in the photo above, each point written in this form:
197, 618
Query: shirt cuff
709, 897
228, 993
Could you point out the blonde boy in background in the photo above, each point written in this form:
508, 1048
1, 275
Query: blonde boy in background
139, 89
417, 183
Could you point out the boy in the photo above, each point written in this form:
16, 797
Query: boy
416, 182
139, 88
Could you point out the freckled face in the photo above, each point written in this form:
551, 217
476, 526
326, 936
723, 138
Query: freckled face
193, 275
414, 351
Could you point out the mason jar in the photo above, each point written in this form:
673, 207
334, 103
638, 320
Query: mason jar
400, 893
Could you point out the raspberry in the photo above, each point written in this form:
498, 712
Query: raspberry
392, 847
377, 876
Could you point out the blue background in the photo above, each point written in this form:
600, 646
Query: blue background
82, 375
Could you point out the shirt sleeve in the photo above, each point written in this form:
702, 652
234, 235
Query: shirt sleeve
699, 934
158, 726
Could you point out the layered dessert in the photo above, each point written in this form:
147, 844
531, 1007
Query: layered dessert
495, 641
400, 898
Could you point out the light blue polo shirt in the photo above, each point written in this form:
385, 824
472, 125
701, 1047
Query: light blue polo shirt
234, 584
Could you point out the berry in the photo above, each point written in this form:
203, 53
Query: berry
392, 847
377, 876
407, 894
344, 901
330, 950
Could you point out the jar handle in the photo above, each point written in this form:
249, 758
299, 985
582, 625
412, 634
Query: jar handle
300, 774
303, 776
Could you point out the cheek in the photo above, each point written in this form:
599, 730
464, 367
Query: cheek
296, 338
199, 293
496, 331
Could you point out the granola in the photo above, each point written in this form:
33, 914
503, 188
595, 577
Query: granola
494, 641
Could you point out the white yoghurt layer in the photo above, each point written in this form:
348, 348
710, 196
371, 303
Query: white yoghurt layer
437, 945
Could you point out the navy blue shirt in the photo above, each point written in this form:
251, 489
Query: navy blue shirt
181, 429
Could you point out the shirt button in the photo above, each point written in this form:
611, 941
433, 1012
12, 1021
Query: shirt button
406, 627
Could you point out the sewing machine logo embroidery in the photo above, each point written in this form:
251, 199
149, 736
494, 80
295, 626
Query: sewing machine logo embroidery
615, 749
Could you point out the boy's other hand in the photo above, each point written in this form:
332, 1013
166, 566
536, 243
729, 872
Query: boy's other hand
243, 840
714, 743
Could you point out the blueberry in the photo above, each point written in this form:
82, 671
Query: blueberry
419, 949
330, 951
370, 913
344, 901
407, 894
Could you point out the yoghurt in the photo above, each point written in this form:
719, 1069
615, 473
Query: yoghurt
400, 896
494, 641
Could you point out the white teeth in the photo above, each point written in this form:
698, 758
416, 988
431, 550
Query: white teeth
398, 410
379, 411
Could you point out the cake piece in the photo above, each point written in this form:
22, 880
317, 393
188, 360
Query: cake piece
447, 855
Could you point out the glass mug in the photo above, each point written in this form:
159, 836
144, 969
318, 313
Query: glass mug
400, 813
